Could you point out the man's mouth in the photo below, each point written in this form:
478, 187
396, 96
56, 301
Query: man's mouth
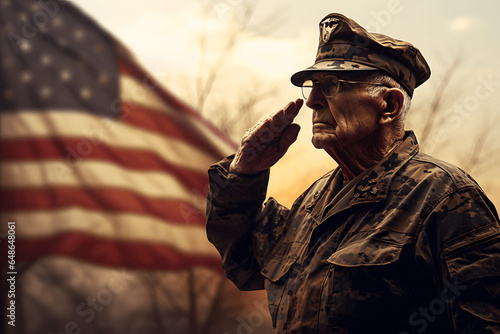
322, 124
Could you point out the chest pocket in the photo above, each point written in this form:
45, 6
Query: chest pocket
363, 279
371, 252
278, 271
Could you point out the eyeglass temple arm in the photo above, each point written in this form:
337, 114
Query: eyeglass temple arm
361, 82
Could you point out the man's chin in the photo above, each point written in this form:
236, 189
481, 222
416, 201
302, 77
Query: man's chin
321, 141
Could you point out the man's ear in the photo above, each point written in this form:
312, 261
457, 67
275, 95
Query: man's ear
393, 99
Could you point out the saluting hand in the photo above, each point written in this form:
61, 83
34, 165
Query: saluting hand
266, 142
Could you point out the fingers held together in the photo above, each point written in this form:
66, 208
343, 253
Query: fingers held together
273, 126
266, 142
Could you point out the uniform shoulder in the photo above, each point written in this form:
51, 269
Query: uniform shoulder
442, 170
320, 183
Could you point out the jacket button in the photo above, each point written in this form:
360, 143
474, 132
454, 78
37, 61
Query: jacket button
316, 194
356, 195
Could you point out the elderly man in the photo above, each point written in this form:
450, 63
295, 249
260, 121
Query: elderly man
391, 241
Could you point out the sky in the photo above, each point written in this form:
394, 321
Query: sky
161, 33
282, 37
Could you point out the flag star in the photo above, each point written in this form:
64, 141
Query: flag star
103, 78
65, 75
25, 46
35, 7
62, 42
98, 48
57, 22
85, 93
26, 77
6, 62
23, 16
8, 94
7, 28
82, 63
45, 92
46, 60
79, 34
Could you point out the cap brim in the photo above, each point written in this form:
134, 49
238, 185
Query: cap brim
328, 65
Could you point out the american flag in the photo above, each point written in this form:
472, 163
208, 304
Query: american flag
100, 166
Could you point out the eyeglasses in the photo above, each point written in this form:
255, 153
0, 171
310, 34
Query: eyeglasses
329, 85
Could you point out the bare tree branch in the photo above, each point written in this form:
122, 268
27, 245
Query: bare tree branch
152, 282
215, 307
481, 154
206, 84
234, 121
193, 319
434, 115
171, 300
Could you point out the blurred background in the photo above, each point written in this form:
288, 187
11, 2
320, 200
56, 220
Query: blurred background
108, 196
232, 60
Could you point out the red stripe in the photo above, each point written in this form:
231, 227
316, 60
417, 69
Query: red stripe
106, 199
112, 253
73, 150
172, 126
129, 67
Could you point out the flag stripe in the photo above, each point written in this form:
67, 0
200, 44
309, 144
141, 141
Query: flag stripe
92, 173
112, 253
136, 97
109, 200
97, 131
110, 225
98, 161
50, 148
151, 120
130, 69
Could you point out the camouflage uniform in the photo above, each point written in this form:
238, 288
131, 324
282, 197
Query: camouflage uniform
412, 245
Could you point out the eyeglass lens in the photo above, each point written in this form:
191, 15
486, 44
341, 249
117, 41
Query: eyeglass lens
329, 86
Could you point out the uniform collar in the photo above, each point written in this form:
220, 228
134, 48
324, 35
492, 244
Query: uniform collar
370, 186
374, 185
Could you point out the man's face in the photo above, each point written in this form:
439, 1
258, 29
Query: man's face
348, 118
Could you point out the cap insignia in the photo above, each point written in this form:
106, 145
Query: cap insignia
328, 26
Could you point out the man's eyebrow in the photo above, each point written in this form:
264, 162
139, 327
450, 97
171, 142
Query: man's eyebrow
319, 75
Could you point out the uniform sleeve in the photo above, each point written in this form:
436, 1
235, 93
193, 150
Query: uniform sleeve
460, 241
243, 230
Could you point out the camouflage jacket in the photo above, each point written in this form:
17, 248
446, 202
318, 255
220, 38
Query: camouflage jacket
411, 245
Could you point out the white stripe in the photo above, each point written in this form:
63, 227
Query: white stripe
115, 226
134, 92
92, 173
99, 131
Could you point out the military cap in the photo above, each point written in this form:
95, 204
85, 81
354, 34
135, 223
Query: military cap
346, 46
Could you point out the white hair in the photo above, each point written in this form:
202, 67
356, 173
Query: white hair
373, 90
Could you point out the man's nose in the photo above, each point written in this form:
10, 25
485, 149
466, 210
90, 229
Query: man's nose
316, 99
